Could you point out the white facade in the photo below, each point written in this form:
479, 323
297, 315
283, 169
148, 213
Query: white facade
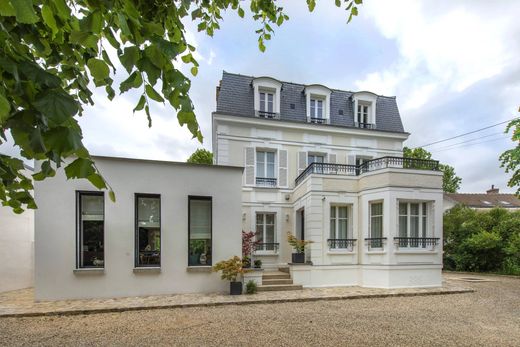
410, 255
16, 249
59, 275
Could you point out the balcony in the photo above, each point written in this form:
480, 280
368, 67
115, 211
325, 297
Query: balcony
366, 125
368, 166
318, 120
375, 243
266, 182
416, 242
341, 244
267, 114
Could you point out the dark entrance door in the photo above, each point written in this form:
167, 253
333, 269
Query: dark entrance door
302, 223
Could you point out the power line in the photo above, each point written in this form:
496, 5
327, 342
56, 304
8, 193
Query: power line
470, 144
471, 140
470, 132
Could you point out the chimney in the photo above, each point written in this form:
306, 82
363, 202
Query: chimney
493, 190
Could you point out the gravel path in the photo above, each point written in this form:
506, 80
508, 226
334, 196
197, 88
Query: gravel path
488, 317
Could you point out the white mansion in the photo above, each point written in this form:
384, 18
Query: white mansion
327, 166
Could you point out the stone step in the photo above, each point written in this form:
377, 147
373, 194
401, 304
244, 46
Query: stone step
278, 287
277, 281
275, 275
284, 269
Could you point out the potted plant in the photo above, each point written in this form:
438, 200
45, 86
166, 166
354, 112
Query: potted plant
231, 269
258, 264
196, 251
299, 248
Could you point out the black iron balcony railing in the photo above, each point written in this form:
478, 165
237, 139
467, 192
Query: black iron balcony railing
318, 120
267, 246
416, 242
368, 166
375, 242
366, 125
265, 182
341, 243
267, 114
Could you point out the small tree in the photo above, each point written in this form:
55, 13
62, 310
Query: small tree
297, 244
230, 268
201, 156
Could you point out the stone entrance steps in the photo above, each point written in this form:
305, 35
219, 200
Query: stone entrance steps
277, 280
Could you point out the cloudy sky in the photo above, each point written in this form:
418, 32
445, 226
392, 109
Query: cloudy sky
453, 66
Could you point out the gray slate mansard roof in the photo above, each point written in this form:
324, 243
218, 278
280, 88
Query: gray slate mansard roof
236, 97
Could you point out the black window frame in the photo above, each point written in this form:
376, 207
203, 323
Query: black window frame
79, 194
136, 231
200, 197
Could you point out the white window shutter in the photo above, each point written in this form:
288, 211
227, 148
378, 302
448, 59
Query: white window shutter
249, 166
282, 168
332, 158
302, 162
351, 159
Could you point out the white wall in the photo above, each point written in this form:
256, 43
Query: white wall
16, 249
55, 221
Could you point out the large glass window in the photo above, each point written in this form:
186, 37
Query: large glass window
90, 230
362, 114
413, 222
199, 232
376, 223
148, 230
265, 229
265, 164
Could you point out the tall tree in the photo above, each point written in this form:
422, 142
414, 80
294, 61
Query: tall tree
510, 159
450, 180
52, 51
201, 156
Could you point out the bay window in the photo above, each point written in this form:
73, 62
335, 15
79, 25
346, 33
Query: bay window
148, 230
376, 225
413, 223
90, 230
199, 231
265, 168
265, 231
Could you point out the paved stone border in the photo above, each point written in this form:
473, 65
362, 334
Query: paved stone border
250, 300
479, 274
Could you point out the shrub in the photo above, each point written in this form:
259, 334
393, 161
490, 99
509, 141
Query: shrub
297, 244
258, 263
251, 287
230, 268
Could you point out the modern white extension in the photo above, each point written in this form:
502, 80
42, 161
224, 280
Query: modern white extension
169, 224
326, 165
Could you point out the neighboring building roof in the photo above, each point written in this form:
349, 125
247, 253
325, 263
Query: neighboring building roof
489, 200
236, 97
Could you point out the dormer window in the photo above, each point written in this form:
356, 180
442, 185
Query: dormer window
267, 97
365, 106
318, 104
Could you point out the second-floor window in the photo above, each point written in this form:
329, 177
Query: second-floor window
266, 102
265, 229
265, 168
316, 109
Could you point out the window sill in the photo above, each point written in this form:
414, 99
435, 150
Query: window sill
89, 271
376, 252
203, 268
416, 251
150, 269
265, 253
341, 251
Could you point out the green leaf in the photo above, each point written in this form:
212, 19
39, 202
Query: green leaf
153, 94
97, 181
194, 71
7, 10
24, 11
140, 104
129, 58
133, 81
82, 38
46, 171
80, 168
4, 109
241, 12
57, 106
155, 55
311, 4
48, 19
98, 69
112, 195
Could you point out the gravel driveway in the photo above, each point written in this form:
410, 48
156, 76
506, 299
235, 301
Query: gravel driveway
488, 317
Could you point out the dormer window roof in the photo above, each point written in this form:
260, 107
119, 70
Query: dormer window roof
364, 109
318, 103
267, 97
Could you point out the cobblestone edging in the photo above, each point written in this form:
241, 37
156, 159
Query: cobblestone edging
250, 300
